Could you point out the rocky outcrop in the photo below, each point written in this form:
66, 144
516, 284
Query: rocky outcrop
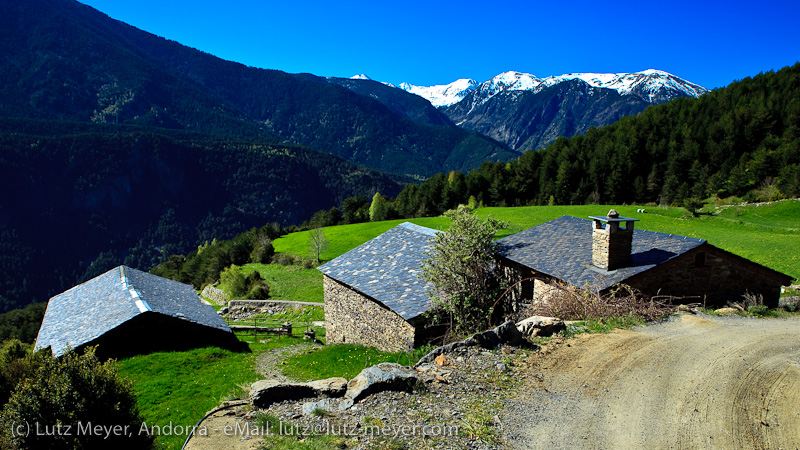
506, 333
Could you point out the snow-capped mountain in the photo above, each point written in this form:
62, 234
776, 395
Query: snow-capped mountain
653, 86
527, 112
445, 94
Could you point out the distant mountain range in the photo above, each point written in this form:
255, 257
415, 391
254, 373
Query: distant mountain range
527, 112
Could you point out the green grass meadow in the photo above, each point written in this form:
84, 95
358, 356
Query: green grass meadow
291, 282
344, 360
343, 238
766, 234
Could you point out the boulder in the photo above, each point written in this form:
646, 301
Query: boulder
727, 311
329, 387
506, 333
379, 378
540, 326
443, 360
263, 393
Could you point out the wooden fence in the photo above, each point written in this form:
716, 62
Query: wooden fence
255, 326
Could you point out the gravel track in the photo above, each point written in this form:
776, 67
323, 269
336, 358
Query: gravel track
694, 382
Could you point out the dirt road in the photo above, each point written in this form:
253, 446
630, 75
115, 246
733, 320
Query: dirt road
696, 382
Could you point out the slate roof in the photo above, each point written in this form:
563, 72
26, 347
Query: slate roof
91, 309
386, 268
562, 248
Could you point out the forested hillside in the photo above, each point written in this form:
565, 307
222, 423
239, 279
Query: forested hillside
64, 60
742, 140
88, 197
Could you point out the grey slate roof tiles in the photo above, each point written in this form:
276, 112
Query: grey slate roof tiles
89, 310
562, 248
386, 268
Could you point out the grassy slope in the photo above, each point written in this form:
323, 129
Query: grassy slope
178, 388
343, 238
291, 282
767, 234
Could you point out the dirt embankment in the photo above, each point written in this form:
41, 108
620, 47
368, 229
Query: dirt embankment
695, 382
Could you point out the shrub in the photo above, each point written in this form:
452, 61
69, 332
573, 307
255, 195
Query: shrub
462, 268
252, 286
14, 366
569, 302
285, 259
72, 391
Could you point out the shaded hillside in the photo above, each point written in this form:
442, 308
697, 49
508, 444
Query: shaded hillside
64, 60
138, 195
398, 101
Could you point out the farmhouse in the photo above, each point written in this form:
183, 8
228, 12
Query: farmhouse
607, 250
125, 311
373, 294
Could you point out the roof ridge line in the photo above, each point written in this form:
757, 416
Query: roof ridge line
136, 296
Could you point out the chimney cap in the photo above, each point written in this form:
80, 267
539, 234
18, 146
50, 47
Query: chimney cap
613, 216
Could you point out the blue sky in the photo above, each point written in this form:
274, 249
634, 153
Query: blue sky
436, 42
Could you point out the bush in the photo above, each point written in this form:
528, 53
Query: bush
285, 259
462, 268
72, 391
569, 302
14, 366
252, 286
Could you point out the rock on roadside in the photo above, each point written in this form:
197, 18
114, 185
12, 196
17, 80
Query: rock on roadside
266, 392
540, 326
381, 377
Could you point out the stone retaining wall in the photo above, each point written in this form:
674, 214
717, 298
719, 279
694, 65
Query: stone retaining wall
216, 295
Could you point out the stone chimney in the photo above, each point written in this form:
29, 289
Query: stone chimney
611, 245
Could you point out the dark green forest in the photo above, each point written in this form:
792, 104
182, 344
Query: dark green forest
89, 197
739, 141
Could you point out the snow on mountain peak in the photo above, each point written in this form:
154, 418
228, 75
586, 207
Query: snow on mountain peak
651, 84
444, 94
360, 77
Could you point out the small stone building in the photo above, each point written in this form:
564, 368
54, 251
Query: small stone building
373, 293
125, 312
607, 250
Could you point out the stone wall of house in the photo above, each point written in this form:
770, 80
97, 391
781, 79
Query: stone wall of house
544, 290
215, 295
353, 318
714, 276
527, 292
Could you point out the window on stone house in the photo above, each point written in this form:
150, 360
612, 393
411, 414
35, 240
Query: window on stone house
700, 259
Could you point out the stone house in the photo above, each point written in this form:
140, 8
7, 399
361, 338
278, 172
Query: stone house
125, 312
373, 293
607, 250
